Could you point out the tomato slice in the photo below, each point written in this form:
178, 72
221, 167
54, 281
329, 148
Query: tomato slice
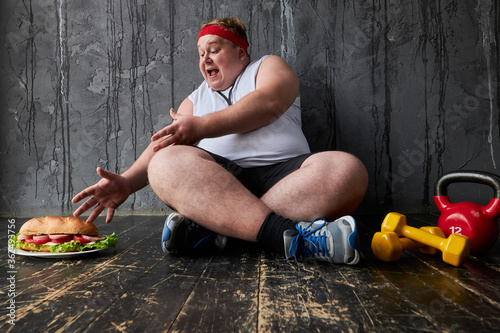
40, 239
60, 238
79, 238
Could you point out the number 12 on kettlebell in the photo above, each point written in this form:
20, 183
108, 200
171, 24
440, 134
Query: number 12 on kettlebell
456, 230
477, 222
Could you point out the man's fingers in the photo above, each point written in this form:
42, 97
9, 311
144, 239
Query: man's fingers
83, 194
89, 191
160, 134
85, 206
166, 131
109, 216
164, 142
161, 145
95, 213
78, 212
106, 174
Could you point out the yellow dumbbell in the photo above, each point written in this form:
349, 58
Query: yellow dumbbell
455, 248
387, 246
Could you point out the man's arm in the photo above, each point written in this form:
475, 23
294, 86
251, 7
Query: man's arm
113, 189
137, 174
276, 87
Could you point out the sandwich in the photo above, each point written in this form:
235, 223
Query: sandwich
61, 234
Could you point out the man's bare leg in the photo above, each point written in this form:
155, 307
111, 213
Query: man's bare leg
190, 181
328, 184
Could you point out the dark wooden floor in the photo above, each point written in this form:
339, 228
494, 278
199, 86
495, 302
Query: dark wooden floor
137, 288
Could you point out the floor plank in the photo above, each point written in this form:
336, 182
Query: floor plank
308, 296
224, 298
159, 294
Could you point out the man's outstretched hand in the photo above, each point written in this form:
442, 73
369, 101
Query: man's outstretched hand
110, 192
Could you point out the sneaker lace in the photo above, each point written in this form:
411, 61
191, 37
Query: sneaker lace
204, 240
209, 237
317, 241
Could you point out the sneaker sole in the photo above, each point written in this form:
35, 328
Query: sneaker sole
353, 241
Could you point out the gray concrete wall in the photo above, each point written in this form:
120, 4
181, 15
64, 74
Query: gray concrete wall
410, 87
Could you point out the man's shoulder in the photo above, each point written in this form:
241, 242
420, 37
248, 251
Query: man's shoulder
268, 58
273, 60
271, 63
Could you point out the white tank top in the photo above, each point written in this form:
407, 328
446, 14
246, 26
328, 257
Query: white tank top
270, 144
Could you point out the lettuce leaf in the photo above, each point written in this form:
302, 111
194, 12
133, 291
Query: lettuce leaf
108, 241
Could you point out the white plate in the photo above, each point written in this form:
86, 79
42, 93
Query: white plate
50, 255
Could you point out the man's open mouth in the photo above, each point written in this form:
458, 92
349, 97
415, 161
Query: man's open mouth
212, 72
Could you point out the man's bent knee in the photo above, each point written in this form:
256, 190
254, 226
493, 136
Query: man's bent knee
344, 173
169, 161
356, 181
338, 162
354, 173
177, 155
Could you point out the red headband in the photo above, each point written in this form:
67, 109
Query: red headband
224, 33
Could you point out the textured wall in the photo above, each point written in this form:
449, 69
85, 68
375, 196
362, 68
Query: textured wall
410, 87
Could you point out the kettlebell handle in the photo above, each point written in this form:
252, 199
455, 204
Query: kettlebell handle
486, 178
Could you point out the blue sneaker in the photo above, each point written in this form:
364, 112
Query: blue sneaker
183, 236
336, 242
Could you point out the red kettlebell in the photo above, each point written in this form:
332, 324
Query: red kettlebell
477, 222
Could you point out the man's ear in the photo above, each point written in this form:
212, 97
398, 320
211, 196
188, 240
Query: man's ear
242, 53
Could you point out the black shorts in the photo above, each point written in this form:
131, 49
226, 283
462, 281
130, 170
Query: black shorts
260, 179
